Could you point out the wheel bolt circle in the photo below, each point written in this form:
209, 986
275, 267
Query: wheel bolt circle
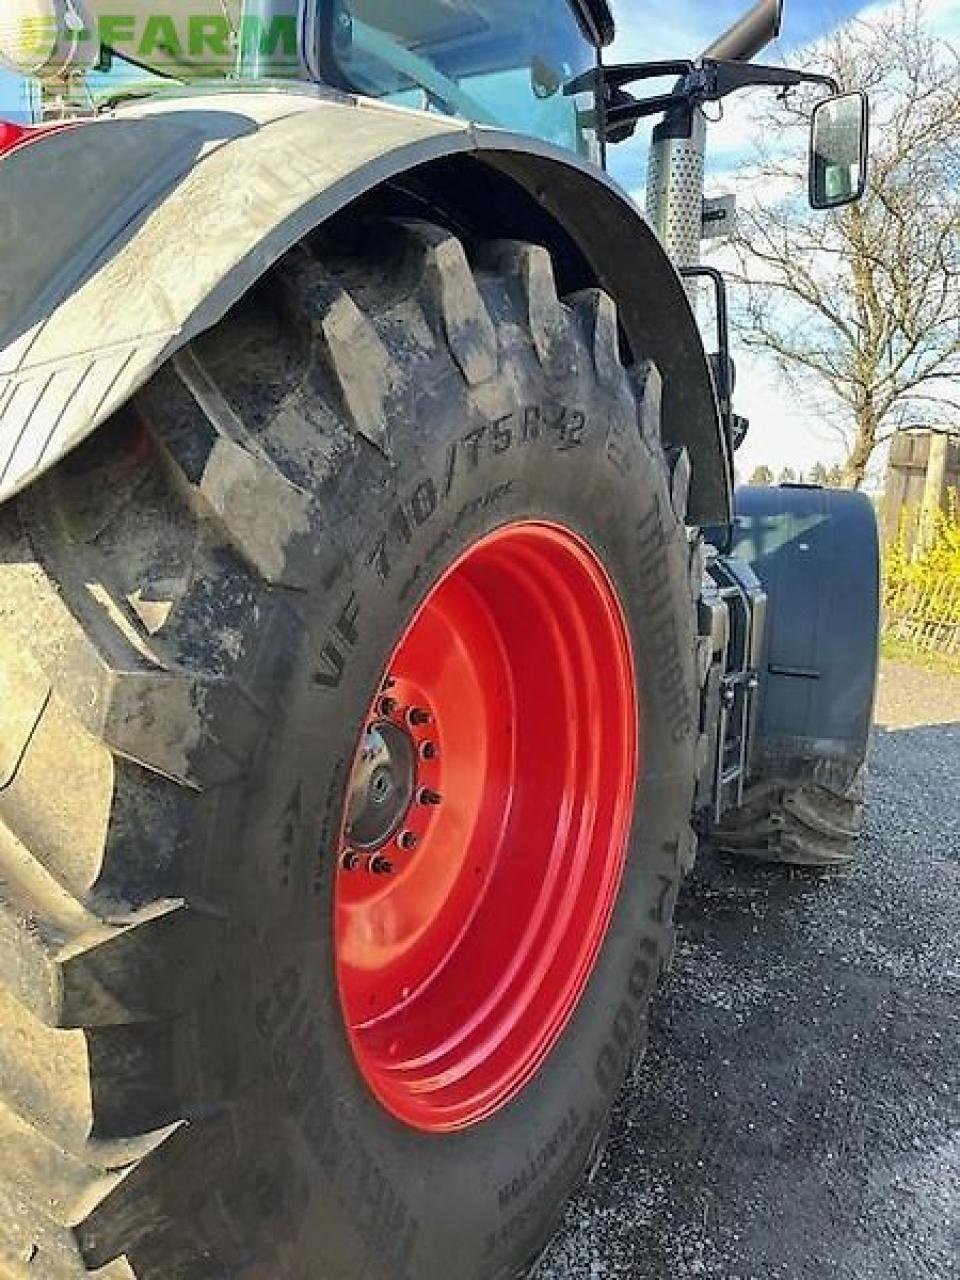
390, 708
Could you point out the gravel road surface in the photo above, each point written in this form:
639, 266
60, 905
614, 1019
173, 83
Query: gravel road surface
798, 1116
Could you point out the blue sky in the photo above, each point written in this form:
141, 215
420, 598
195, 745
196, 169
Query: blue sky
10, 97
678, 28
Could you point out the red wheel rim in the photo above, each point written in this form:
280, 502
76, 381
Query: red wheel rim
487, 823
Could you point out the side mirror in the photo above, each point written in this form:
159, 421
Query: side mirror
839, 146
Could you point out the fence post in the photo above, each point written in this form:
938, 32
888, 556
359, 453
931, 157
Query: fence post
934, 488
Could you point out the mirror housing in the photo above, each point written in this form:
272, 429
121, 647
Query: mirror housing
839, 147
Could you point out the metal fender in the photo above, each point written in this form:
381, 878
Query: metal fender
123, 239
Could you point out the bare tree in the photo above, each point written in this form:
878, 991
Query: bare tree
861, 307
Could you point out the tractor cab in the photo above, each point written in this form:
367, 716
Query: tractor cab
502, 63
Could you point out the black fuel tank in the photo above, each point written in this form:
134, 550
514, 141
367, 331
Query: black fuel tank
816, 553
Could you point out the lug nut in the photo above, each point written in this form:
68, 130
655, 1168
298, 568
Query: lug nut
350, 860
379, 866
388, 706
407, 840
419, 716
429, 797
429, 751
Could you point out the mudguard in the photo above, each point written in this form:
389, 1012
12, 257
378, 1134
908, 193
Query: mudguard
816, 553
123, 239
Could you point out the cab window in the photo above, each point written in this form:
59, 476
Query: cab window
497, 62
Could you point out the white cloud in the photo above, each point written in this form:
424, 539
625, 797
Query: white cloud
942, 16
784, 431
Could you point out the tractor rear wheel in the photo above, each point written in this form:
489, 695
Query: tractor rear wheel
348, 732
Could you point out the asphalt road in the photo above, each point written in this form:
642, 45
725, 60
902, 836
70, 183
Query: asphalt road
798, 1115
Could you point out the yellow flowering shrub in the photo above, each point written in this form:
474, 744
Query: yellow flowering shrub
922, 587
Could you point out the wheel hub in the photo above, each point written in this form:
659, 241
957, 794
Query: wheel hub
393, 786
382, 786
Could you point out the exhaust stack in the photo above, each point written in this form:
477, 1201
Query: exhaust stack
675, 173
749, 34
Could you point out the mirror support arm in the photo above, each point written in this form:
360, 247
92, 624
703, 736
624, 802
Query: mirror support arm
707, 80
729, 77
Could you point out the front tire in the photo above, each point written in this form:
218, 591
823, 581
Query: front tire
815, 824
198, 611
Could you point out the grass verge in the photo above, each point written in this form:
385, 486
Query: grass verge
900, 651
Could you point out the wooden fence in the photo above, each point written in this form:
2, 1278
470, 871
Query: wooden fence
927, 617
906, 482
921, 525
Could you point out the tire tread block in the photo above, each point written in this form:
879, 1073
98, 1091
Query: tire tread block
71, 969
365, 373
226, 474
455, 302
598, 315
174, 722
529, 267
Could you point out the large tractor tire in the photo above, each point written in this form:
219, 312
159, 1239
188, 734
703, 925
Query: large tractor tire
348, 734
